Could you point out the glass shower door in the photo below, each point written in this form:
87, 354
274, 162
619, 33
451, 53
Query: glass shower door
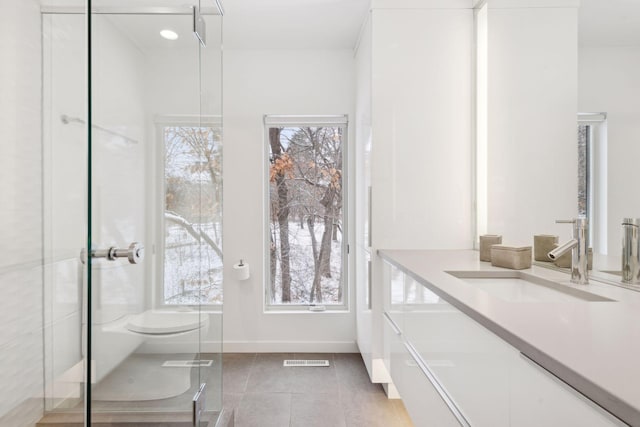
136, 90
154, 286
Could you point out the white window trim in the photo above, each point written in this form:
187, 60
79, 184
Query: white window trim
311, 121
598, 215
160, 122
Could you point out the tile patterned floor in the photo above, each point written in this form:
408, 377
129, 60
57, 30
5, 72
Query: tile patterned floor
266, 394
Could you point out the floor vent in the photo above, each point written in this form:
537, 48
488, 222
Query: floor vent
187, 363
290, 363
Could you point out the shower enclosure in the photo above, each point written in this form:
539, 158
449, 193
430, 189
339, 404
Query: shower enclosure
130, 200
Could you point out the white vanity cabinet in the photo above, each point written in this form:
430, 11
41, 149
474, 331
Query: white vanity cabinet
420, 397
432, 349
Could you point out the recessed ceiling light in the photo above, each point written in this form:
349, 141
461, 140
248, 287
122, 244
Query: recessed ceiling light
169, 35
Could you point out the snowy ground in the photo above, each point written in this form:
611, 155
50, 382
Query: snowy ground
302, 267
192, 271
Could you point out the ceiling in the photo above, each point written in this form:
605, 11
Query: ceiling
144, 30
335, 24
293, 24
264, 24
257, 24
609, 23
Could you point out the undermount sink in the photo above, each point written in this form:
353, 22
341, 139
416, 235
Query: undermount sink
517, 286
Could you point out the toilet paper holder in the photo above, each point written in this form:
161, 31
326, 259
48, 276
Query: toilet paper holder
241, 270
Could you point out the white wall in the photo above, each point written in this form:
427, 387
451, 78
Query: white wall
608, 82
259, 82
21, 371
532, 103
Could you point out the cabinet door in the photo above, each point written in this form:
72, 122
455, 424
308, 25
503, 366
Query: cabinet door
364, 318
394, 293
393, 348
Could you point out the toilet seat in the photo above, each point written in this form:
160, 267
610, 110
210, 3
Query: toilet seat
165, 322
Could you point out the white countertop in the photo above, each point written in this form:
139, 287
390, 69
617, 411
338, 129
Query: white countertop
594, 347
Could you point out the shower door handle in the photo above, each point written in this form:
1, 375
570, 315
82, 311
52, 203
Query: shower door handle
135, 253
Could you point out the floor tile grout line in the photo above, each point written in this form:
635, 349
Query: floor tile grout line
243, 394
335, 373
290, 408
246, 381
341, 399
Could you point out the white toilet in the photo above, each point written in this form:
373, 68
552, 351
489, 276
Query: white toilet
132, 350
165, 323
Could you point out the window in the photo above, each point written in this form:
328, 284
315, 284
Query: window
592, 176
584, 169
191, 255
307, 242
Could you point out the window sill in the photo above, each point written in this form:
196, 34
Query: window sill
301, 310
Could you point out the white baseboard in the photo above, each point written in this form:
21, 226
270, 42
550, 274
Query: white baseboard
290, 347
380, 373
391, 390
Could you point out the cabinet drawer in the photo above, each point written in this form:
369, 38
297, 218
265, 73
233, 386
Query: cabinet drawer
488, 379
421, 398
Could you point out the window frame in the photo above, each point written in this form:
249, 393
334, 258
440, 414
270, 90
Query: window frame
596, 128
270, 121
159, 207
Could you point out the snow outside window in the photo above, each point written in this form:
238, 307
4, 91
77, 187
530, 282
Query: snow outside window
192, 245
306, 215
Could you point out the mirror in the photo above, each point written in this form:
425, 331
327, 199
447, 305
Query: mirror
538, 68
532, 101
608, 70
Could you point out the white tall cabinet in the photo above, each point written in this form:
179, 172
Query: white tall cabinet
422, 104
413, 136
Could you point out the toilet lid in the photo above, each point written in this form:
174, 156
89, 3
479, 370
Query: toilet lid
165, 322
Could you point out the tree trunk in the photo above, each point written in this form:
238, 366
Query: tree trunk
325, 246
283, 216
273, 267
314, 249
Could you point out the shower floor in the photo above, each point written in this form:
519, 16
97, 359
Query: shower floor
141, 392
140, 382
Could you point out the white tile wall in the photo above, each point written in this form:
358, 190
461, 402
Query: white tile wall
21, 370
21, 303
20, 216
21, 379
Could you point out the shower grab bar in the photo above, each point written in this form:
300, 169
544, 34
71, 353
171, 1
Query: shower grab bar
68, 119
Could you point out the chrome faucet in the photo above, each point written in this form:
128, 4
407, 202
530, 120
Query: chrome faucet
630, 251
578, 246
